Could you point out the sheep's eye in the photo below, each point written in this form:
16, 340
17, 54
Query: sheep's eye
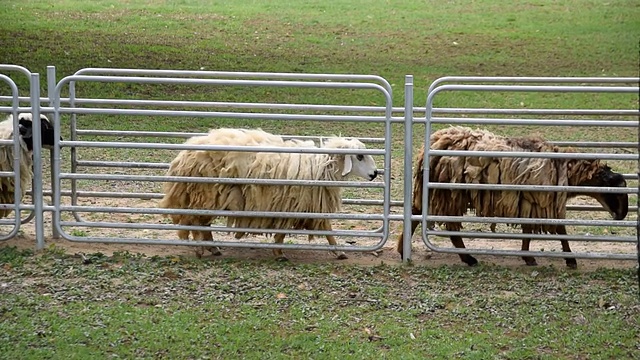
360, 157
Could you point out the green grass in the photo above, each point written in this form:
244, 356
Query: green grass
131, 306
128, 306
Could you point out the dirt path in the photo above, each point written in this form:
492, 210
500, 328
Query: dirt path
421, 255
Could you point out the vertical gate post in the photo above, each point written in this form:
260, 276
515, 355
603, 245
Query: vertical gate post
638, 215
408, 159
37, 160
51, 86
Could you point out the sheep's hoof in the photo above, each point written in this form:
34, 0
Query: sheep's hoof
470, 260
199, 252
282, 258
530, 261
215, 251
342, 256
572, 263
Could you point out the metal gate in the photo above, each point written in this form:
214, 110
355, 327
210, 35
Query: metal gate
622, 118
105, 189
94, 222
36, 209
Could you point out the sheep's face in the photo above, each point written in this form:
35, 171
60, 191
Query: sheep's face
355, 164
360, 166
25, 125
616, 204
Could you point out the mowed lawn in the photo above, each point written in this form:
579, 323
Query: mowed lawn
56, 305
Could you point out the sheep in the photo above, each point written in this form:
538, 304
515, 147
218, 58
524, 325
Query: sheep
184, 195
264, 165
7, 184
520, 171
296, 198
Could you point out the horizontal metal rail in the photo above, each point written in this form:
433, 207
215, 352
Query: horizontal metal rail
270, 214
529, 221
542, 237
189, 135
235, 244
534, 154
543, 188
594, 144
516, 80
222, 114
345, 201
563, 112
158, 196
269, 149
136, 165
549, 254
631, 123
344, 108
237, 181
236, 75
153, 226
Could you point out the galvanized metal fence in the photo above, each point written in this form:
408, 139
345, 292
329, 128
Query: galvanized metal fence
14, 109
576, 85
217, 79
107, 200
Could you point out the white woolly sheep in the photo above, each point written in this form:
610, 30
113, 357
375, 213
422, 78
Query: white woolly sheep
7, 184
184, 195
518, 171
263, 165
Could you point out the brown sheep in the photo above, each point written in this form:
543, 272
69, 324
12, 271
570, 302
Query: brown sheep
517, 171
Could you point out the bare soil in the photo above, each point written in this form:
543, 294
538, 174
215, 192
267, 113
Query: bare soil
421, 256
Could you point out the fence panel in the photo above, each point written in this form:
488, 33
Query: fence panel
17, 157
110, 189
607, 142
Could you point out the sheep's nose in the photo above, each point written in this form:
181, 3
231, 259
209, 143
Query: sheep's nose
373, 176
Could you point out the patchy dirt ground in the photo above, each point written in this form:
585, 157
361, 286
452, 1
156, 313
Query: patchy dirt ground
421, 255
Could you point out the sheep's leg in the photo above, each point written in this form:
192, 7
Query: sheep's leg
204, 236
414, 225
571, 262
339, 255
214, 250
466, 258
529, 260
279, 239
184, 235
199, 250
332, 241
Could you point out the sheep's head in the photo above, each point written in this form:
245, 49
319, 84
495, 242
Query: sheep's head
25, 125
359, 165
594, 173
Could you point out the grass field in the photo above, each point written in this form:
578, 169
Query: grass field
56, 305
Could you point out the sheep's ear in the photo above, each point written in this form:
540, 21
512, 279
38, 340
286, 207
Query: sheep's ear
347, 165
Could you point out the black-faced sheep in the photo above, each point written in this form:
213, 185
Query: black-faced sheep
257, 197
25, 131
518, 171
